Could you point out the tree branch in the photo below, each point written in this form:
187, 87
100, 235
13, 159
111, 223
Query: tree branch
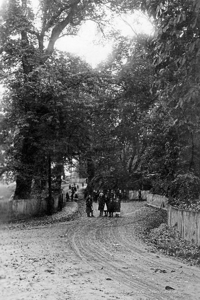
56, 31
128, 24
59, 12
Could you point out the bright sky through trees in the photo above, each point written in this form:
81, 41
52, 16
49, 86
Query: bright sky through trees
89, 43
86, 44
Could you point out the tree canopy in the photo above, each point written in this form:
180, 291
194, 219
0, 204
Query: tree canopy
133, 122
27, 43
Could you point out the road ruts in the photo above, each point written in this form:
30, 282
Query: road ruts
110, 246
90, 259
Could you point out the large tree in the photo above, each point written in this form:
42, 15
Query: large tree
28, 39
56, 126
176, 60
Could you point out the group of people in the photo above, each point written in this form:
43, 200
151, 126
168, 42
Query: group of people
108, 204
72, 193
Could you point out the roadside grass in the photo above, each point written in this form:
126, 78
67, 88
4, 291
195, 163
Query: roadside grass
157, 234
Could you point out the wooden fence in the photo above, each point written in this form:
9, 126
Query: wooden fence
157, 200
187, 223
153, 199
25, 208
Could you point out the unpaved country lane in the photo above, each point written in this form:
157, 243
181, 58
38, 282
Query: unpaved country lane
90, 259
110, 246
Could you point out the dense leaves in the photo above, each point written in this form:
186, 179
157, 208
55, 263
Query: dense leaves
44, 101
132, 123
118, 125
172, 145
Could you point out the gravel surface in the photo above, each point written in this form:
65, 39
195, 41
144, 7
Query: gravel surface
91, 259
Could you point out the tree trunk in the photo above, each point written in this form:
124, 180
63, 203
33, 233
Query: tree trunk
90, 174
26, 157
23, 187
90, 169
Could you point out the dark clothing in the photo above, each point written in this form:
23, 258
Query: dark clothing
95, 196
117, 205
89, 206
74, 189
111, 207
101, 201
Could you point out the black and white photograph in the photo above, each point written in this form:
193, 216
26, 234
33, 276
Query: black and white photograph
99, 150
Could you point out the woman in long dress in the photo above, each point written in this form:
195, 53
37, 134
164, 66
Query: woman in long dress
111, 205
101, 202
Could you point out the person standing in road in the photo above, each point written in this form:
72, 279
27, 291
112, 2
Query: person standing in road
111, 205
89, 206
101, 202
106, 205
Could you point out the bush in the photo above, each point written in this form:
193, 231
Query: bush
185, 191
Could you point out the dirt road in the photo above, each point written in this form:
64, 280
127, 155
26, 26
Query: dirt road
90, 259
